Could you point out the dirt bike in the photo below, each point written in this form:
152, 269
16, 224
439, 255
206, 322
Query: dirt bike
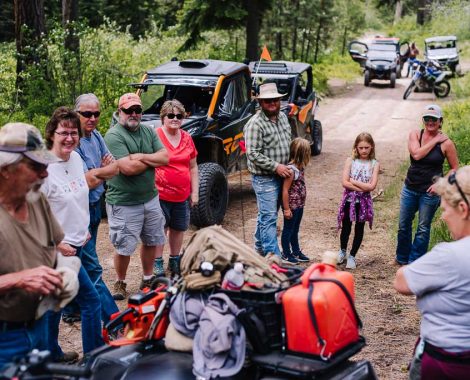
429, 77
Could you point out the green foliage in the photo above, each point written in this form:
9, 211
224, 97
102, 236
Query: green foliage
198, 16
107, 63
334, 66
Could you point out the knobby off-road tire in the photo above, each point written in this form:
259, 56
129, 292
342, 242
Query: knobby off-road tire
399, 70
366, 78
442, 89
213, 196
393, 79
408, 90
316, 132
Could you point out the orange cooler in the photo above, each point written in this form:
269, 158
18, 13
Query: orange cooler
321, 299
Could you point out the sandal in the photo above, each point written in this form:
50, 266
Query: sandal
71, 318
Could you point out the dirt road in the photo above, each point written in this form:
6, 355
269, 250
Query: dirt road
390, 321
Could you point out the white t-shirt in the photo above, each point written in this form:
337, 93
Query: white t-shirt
441, 281
67, 192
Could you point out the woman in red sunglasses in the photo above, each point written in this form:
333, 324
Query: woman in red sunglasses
177, 182
429, 148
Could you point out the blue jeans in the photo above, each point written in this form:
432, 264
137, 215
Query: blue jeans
290, 233
268, 191
93, 267
18, 342
426, 205
90, 306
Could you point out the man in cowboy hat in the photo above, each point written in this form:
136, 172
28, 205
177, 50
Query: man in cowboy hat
267, 140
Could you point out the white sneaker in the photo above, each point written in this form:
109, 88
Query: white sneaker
351, 263
341, 256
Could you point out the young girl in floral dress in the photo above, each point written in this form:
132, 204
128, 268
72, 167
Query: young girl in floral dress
360, 175
294, 193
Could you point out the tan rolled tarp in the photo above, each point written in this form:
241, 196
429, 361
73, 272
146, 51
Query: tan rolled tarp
219, 247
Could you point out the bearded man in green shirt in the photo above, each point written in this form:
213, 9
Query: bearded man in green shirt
267, 139
132, 202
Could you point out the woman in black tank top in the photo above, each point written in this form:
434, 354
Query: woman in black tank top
429, 148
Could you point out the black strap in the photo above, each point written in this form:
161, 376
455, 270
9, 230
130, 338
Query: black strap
313, 317
346, 293
444, 357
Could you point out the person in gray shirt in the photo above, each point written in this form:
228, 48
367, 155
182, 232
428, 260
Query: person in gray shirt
441, 282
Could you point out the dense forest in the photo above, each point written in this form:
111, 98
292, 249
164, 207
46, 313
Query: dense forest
53, 50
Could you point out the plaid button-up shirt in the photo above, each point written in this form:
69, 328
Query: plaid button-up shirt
267, 143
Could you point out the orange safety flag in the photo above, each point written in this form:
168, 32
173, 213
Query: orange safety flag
265, 54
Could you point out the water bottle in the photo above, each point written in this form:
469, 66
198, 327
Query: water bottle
234, 278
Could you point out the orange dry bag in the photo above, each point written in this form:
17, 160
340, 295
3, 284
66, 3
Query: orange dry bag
320, 317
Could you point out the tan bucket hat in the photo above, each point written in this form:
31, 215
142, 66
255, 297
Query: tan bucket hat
269, 91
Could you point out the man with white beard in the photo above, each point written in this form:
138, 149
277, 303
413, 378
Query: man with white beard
29, 235
132, 202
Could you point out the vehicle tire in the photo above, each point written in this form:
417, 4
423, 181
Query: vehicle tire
458, 70
366, 78
442, 89
393, 78
316, 132
213, 196
408, 90
399, 68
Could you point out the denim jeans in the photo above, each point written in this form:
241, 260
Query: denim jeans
268, 191
426, 205
90, 306
93, 267
290, 233
18, 342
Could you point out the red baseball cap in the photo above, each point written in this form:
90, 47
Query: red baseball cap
128, 100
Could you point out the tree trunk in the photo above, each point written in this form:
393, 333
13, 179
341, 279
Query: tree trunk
253, 25
29, 30
69, 17
423, 14
295, 23
280, 53
318, 33
398, 12
71, 57
345, 38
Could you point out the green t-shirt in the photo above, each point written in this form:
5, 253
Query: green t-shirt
135, 189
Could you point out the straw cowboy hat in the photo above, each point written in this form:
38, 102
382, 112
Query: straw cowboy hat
269, 91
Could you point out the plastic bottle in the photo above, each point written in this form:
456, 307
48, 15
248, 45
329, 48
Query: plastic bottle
234, 278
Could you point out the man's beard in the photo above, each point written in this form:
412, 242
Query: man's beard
34, 194
131, 128
270, 113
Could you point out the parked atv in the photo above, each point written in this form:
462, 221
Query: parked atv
217, 99
379, 60
300, 103
429, 77
443, 49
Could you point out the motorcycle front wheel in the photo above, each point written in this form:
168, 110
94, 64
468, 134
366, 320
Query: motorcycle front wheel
408, 90
442, 89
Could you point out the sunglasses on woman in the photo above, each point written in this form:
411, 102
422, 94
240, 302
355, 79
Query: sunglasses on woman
428, 119
453, 181
171, 116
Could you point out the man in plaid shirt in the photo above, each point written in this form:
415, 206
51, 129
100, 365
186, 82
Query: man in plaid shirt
267, 139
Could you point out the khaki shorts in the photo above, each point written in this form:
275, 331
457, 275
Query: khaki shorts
129, 223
